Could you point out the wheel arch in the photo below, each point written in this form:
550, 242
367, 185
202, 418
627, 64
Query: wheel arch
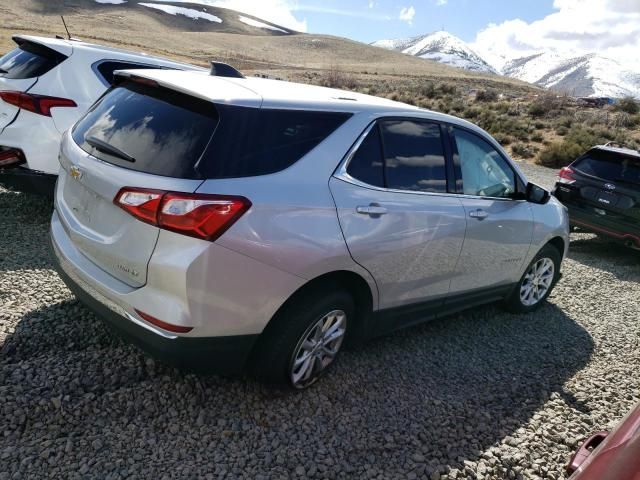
347, 280
560, 244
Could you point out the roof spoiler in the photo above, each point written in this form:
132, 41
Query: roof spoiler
219, 69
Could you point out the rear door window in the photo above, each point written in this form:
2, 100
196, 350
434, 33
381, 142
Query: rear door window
29, 60
148, 129
611, 167
367, 164
414, 156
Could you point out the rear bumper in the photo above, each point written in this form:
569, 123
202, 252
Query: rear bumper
595, 223
25, 180
225, 355
39, 139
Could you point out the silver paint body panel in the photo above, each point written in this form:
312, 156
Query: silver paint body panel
303, 223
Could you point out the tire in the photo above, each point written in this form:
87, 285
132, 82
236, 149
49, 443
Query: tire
295, 334
532, 289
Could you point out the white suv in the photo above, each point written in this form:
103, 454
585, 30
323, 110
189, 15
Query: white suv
46, 84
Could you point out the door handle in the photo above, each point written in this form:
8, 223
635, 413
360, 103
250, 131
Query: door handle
372, 210
478, 214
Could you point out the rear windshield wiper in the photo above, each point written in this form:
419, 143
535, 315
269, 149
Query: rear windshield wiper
105, 147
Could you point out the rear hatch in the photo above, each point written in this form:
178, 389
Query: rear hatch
607, 183
137, 135
21, 68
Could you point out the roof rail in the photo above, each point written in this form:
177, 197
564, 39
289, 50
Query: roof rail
617, 145
621, 146
219, 69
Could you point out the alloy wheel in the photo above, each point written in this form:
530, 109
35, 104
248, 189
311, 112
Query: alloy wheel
537, 282
317, 348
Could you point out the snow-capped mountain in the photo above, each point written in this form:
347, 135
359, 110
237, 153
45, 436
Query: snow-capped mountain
584, 76
441, 47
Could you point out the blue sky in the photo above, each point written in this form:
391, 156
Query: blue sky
499, 30
464, 18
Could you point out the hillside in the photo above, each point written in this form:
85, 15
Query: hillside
252, 49
191, 17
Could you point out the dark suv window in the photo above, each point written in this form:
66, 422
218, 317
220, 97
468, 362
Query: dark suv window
253, 141
153, 130
414, 156
609, 166
163, 132
367, 164
29, 60
107, 68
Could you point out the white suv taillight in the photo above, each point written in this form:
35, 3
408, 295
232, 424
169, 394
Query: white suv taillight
40, 104
202, 216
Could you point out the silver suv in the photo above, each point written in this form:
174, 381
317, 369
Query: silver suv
230, 223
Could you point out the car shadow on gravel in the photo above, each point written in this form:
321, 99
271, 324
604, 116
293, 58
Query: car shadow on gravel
423, 400
592, 251
24, 236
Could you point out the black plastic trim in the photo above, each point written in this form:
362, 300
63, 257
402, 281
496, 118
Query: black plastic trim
391, 319
222, 355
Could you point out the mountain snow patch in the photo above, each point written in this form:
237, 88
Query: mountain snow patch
187, 12
255, 23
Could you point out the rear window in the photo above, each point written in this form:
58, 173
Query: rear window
29, 60
159, 131
615, 168
156, 130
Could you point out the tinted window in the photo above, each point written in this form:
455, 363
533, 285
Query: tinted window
366, 164
615, 168
106, 69
251, 141
29, 60
483, 170
414, 156
172, 134
164, 131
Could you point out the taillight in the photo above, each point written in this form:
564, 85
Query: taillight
142, 204
201, 216
197, 215
163, 325
11, 158
566, 175
39, 104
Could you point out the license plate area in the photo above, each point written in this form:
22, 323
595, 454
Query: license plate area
607, 199
81, 201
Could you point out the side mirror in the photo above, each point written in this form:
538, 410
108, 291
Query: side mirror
537, 194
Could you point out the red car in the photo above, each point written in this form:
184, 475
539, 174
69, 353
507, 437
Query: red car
610, 456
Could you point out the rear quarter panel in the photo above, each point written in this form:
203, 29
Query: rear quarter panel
292, 224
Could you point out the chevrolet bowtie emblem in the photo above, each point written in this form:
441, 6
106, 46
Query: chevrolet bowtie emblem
75, 172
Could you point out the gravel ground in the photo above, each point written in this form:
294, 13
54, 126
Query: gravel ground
483, 394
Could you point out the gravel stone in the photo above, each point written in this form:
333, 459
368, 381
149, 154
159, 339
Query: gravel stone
480, 395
